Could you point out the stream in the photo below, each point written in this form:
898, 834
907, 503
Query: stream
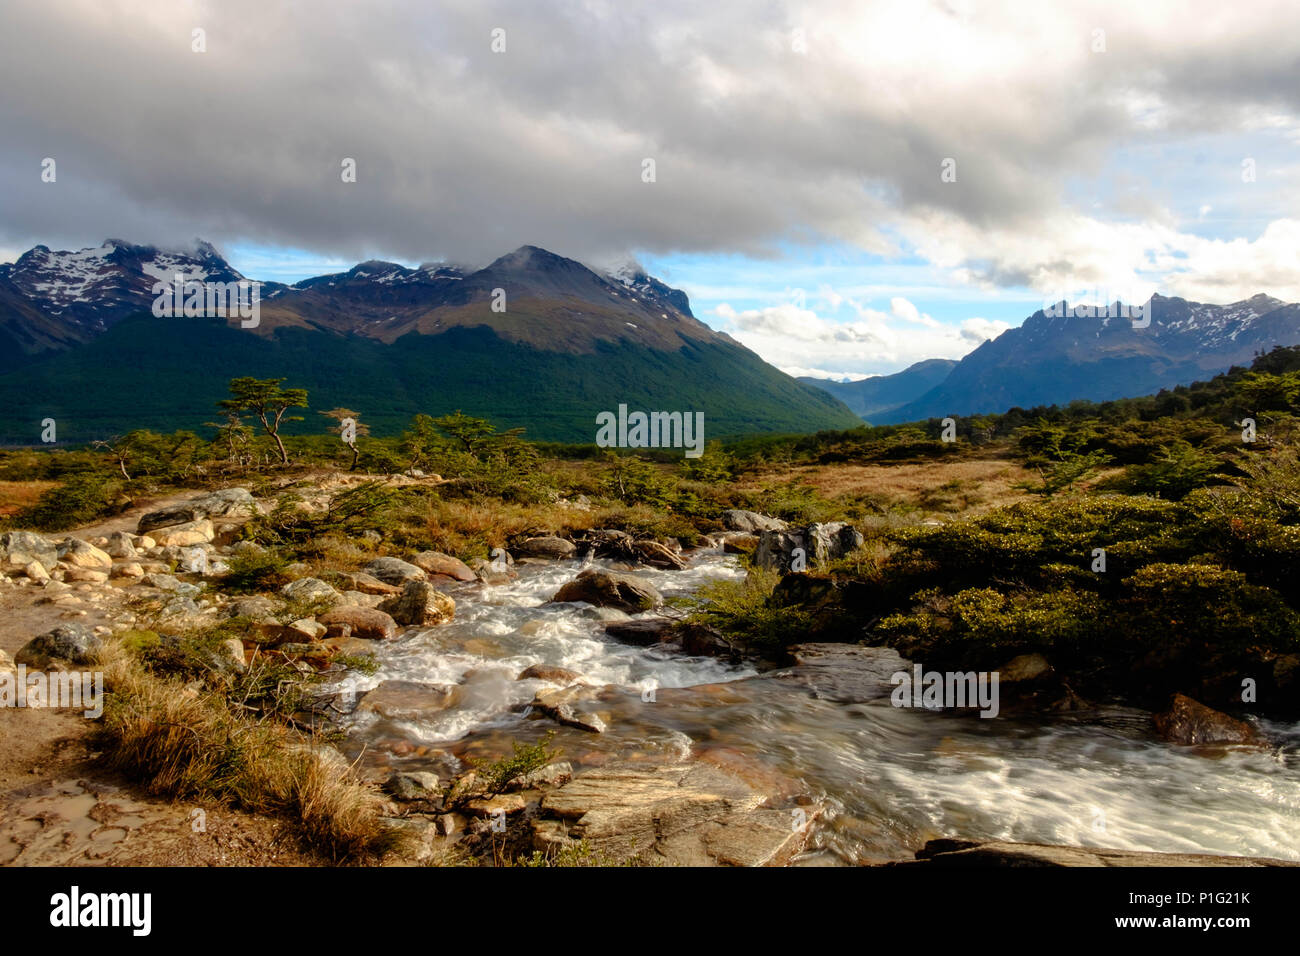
890, 778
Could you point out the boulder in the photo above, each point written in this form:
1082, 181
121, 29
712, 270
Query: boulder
559, 706
366, 584
407, 700
435, 562
411, 786
84, 575
739, 542
258, 608
36, 572
128, 569
364, 622
550, 673
394, 571
121, 545
552, 775
20, 548
1189, 722
642, 633
184, 535
168, 582
611, 589
546, 546
683, 814
750, 521
229, 502
311, 590
420, 605
74, 643
75, 553
820, 542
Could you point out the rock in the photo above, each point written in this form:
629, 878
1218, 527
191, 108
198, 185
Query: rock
310, 591
750, 521
1005, 854
658, 556
420, 605
234, 650
229, 502
407, 700
411, 786
611, 589
364, 600
1189, 722
558, 705
74, 643
36, 572
21, 548
546, 672
820, 543
7, 665
129, 569
144, 542
168, 582
85, 575
364, 622
394, 571
179, 611
367, 584
846, 673
310, 629
1024, 667
507, 803
435, 562
75, 553
121, 545
493, 573
552, 775
700, 640
739, 543
258, 608
678, 814
643, 632
546, 546
185, 535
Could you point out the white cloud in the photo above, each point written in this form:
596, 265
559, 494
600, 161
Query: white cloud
875, 341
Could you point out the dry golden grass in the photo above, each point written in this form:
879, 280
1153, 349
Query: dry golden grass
16, 495
187, 743
986, 483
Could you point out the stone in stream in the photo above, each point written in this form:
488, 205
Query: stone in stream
365, 583
846, 673
558, 705
820, 543
420, 605
658, 555
407, 700
437, 563
311, 590
549, 673
364, 622
75, 553
545, 546
680, 814
611, 589
642, 632
1189, 722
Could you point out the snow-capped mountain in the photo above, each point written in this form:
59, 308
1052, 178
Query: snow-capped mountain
1057, 358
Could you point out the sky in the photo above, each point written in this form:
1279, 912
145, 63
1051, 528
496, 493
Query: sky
845, 187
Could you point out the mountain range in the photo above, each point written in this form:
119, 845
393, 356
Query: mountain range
533, 340
1053, 359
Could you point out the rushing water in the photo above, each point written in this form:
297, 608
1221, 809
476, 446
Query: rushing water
890, 778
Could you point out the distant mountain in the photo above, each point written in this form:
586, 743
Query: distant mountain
81, 345
877, 396
1056, 359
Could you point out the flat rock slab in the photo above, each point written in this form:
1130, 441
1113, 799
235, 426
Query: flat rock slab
846, 673
998, 854
683, 814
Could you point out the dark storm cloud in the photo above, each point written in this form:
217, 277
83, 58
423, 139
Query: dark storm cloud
465, 153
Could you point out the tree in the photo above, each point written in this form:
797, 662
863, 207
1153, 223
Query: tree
235, 434
349, 436
268, 401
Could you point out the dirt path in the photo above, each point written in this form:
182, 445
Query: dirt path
57, 807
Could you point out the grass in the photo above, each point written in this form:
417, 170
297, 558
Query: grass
185, 742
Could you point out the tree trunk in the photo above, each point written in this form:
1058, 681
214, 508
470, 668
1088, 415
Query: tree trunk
284, 455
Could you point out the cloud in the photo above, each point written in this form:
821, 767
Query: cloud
873, 341
759, 145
